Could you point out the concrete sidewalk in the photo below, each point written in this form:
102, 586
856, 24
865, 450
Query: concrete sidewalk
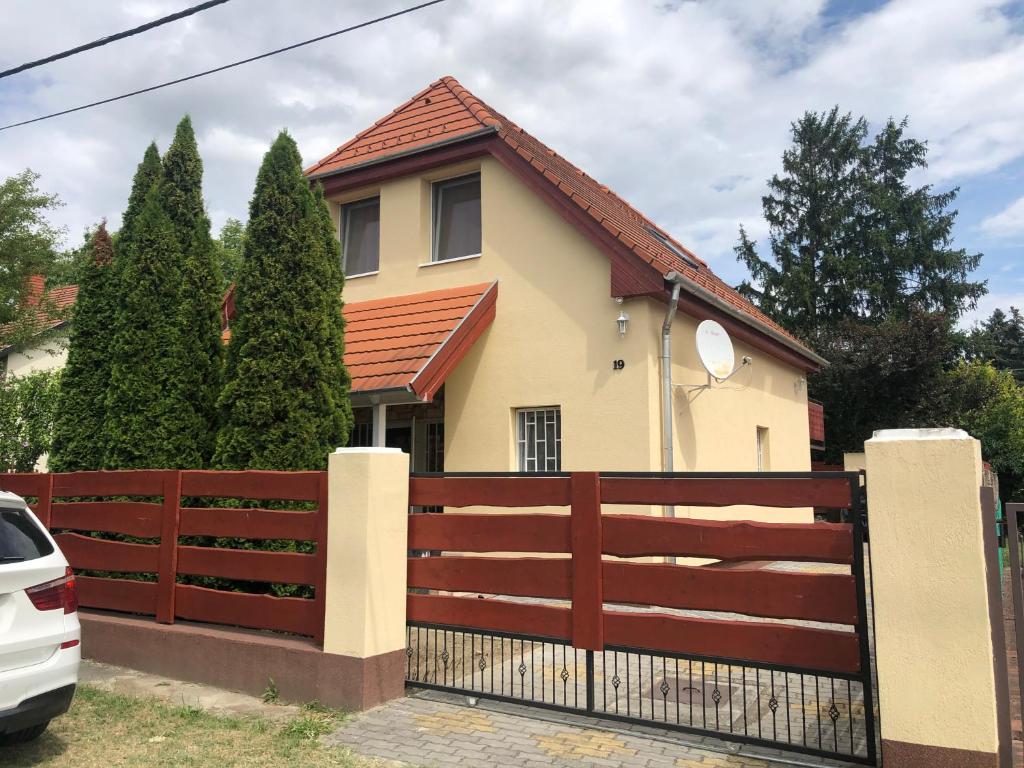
440, 729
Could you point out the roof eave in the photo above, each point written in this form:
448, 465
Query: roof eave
406, 153
738, 314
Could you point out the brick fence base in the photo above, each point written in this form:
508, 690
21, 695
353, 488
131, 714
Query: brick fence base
243, 660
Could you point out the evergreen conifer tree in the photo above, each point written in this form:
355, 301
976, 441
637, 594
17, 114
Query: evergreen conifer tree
147, 421
182, 198
285, 401
78, 433
146, 175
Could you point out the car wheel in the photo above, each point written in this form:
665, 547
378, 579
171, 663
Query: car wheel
22, 736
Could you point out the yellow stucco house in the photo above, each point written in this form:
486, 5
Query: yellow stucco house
506, 312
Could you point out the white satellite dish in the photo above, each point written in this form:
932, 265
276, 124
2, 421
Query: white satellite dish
715, 349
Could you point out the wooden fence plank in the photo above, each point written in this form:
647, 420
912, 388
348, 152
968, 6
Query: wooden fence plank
248, 523
134, 518
587, 599
116, 594
490, 532
87, 553
763, 642
248, 565
489, 491
285, 614
128, 482
168, 572
520, 576
24, 483
825, 597
320, 584
720, 492
44, 502
638, 536
251, 484
494, 615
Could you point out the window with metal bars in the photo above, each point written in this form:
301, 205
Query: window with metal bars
539, 439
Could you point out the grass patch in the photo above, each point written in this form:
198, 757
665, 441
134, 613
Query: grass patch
109, 729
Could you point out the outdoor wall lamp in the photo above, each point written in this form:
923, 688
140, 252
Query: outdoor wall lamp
623, 322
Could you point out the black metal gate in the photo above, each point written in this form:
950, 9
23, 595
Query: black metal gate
784, 707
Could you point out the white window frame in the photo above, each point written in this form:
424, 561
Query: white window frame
343, 222
436, 190
763, 450
523, 415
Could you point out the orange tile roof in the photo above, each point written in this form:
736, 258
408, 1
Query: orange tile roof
446, 112
413, 342
58, 299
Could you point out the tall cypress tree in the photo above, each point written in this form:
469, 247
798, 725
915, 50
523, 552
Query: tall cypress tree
78, 433
147, 421
285, 402
182, 198
146, 176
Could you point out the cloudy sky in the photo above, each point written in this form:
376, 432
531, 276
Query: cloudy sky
681, 107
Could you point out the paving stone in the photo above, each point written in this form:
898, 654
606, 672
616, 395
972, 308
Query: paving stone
442, 732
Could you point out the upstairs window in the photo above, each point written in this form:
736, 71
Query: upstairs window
539, 439
360, 237
457, 218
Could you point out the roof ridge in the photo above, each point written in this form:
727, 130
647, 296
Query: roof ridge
476, 107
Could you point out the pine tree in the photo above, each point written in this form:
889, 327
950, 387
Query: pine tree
850, 237
285, 402
810, 210
182, 198
1000, 339
147, 423
906, 235
78, 435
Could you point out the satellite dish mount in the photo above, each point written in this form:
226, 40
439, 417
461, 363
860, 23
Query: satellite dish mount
716, 353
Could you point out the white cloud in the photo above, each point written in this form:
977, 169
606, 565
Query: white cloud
998, 299
1007, 223
682, 107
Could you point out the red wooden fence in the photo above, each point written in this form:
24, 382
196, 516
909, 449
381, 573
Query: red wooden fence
163, 517
586, 580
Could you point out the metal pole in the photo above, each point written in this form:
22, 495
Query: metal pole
590, 681
867, 680
666, 381
380, 424
1012, 513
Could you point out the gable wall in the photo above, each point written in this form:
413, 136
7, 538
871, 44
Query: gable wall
554, 341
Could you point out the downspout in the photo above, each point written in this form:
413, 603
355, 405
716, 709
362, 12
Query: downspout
666, 379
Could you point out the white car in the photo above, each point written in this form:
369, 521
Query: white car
40, 637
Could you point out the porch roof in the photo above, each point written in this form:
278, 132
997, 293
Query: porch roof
406, 346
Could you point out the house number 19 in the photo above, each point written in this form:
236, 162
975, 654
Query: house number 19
618, 365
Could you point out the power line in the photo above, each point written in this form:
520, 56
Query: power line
113, 38
227, 66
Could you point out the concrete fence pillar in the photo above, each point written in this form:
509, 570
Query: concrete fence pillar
938, 623
367, 532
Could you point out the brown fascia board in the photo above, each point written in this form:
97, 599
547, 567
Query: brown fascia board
402, 163
630, 274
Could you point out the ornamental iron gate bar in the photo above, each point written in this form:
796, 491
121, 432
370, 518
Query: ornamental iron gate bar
776, 655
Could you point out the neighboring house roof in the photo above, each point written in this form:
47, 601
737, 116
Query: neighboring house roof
58, 299
445, 114
816, 422
407, 345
